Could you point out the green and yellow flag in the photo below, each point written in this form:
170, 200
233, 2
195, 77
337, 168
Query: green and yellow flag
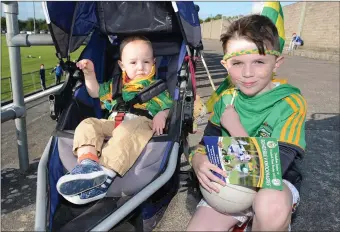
226, 84
273, 10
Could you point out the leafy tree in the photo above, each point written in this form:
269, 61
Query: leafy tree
30, 24
218, 16
22, 25
3, 23
27, 25
207, 20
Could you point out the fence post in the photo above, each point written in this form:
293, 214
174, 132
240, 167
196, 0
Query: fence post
10, 87
12, 25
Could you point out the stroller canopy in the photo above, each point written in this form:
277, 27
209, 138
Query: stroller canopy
70, 23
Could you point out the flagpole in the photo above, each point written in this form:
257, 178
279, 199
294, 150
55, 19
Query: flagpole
207, 70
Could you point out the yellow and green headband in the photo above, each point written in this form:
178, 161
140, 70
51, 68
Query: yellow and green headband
253, 51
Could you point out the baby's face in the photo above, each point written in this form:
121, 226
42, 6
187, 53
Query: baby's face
137, 59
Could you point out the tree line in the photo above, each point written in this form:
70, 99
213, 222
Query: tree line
219, 16
27, 25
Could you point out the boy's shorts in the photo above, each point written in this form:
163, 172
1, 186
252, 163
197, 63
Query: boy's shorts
245, 215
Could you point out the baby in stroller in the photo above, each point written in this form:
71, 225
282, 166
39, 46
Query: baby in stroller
99, 163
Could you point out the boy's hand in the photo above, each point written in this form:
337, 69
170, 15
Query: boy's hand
203, 168
86, 66
158, 122
230, 118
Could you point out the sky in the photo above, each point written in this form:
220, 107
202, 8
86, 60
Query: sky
227, 8
26, 10
206, 9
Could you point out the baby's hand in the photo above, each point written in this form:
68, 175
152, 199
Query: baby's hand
86, 66
230, 118
158, 122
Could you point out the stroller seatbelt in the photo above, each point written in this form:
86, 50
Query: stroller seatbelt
119, 118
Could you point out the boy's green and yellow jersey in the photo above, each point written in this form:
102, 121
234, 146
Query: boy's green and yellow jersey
279, 113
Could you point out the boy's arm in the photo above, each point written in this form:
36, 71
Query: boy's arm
290, 130
288, 153
224, 115
213, 128
291, 126
235, 127
210, 130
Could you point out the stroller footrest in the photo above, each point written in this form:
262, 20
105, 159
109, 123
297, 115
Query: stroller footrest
94, 215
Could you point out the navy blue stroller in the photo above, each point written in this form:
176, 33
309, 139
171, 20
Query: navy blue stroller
142, 195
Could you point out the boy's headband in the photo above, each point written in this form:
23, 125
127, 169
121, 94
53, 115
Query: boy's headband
253, 51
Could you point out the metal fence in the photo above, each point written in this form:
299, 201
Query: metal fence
31, 83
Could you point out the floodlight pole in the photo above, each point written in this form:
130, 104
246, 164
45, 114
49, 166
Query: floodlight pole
34, 18
11, 11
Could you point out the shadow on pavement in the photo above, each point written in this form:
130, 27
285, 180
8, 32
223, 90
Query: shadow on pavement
18, 189
216, 71
320, 167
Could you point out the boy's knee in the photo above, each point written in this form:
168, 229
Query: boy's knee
85, 125
87, 121
273, 208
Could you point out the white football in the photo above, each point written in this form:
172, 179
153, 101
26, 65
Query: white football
230, 199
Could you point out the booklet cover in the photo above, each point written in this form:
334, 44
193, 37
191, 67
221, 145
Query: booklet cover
248, 161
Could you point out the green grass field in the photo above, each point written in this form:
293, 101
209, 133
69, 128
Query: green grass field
29, 67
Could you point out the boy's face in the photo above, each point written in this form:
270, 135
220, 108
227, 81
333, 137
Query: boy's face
251, 73
41, 66
137, 59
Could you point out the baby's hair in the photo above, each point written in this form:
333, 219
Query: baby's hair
131, 39
254, 28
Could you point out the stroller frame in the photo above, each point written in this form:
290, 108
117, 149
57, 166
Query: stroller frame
115, 217
183, 107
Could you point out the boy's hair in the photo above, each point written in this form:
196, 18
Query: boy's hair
42, 64
254, 28
131, 39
